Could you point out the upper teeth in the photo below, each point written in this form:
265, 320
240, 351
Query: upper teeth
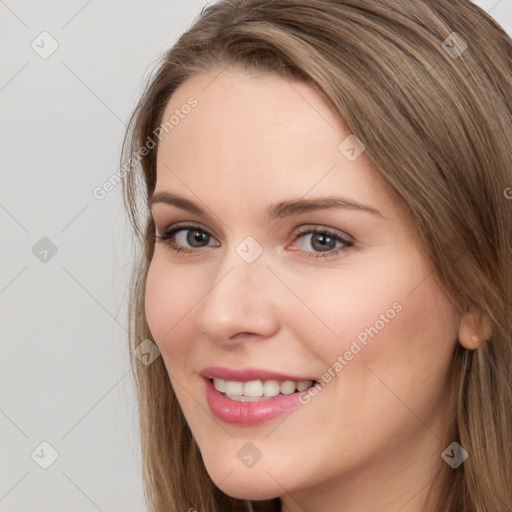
258, 388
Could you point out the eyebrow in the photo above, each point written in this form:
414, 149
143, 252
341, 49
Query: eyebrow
277, 210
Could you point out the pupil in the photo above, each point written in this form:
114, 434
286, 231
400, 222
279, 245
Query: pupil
324, 242
196, 236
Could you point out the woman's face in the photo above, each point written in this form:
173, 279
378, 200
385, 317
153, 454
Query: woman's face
275, 293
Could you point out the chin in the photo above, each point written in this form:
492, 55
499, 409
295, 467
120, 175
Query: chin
245, 489
245, 483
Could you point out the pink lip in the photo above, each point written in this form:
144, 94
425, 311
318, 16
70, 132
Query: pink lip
248, 413
247, 374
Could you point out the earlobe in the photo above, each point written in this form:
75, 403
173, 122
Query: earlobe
475, 329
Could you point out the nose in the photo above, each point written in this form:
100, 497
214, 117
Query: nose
240, 304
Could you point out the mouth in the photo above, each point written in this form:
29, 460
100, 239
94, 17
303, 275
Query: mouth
254, 396
259, 390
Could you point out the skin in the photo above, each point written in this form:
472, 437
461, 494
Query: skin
374, 434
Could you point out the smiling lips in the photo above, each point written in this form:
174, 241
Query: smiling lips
251, 396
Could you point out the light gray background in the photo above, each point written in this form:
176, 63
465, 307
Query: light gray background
65, 376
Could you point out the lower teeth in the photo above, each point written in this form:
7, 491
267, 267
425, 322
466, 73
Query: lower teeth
243, 398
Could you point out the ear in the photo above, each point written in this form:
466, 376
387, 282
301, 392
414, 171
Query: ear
475, 328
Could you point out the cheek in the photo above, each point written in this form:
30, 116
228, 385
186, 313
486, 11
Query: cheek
170, 296
352, 303
390, 317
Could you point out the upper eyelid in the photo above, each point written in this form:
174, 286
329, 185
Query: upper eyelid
178, 226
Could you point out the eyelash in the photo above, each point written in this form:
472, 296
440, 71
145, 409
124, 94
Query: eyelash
170, 232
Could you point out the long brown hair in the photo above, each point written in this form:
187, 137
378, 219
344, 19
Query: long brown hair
427, 87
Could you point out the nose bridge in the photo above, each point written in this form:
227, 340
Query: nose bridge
242, 268
238, 299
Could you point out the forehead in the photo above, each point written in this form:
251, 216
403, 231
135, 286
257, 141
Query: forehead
255, 138
255, 111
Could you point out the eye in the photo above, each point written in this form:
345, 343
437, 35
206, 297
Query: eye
185, 234
190, 238
324, 240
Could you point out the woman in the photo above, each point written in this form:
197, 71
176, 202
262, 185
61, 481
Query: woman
326, 259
